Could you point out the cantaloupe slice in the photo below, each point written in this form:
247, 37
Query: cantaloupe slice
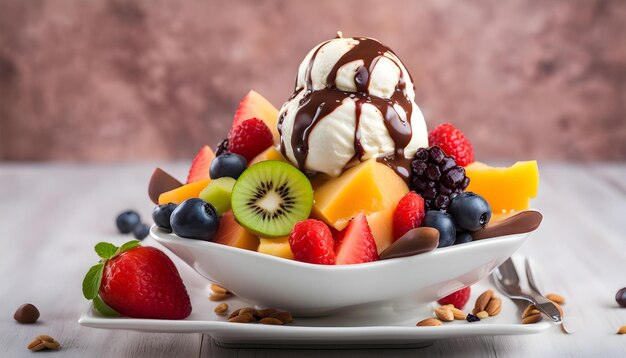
381, 224
270, 153
367, 188
232, 234
183, 193
253, 105
276, 247
507, 189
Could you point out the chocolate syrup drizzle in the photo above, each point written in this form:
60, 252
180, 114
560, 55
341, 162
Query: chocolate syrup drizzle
315, 105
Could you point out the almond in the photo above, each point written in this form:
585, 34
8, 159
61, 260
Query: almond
218, 296
458, 314
219, 289
235, 313
494, 306
221, 308
621, 330
265, 312
242, 318
482, 314
558, 299
444, 314
483, 300
284, 316
271, 321
529, 311
428, 322
533, 318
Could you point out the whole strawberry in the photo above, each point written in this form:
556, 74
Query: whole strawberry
408, 215
453, 143
458, 298
250, 138
136, 281
311, 241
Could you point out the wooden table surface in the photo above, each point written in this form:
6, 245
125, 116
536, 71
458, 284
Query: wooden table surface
51, 215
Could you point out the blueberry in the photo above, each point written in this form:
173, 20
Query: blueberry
227, 165
470, 212
195, 219
161, 216
127, 221
463, 237
472, 318
444, 224
141, 231
620, 297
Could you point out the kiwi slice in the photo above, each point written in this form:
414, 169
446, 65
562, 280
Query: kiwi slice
270, 197
218, 194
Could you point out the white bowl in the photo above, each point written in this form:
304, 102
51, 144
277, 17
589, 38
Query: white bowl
312, 290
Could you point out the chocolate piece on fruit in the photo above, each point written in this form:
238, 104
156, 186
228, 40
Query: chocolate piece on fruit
523, 222
270, 197
195, 219
27, 313
160, 182
414, 242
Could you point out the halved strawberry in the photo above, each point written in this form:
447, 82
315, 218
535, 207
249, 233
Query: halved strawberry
355, 244
200, 166
253, 105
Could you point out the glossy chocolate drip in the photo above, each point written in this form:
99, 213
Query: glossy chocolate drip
315, 105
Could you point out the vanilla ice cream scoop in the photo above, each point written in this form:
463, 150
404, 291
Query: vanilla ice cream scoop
353, 101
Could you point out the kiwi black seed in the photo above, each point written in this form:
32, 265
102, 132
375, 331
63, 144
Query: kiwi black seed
270, 197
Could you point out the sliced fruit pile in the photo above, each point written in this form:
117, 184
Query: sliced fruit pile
247, 195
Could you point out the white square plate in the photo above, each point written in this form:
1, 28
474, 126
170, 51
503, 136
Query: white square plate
354, 328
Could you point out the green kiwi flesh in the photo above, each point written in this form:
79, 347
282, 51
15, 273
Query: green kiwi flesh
270, 197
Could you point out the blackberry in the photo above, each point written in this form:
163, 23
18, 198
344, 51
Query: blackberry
222, 148
436, 177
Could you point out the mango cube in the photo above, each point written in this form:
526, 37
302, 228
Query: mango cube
183, 193
276, 247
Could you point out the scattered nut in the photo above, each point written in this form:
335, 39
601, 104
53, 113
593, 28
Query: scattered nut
533, 318
529, 311
621, 330
26, 313
235, 313
558, 299
219, 289
43, 342
271, 321
218, 296
494, 306
242, 318
248, 310
458, 314
482, 314
221, 308
482, 301
444, 314
265, 312
284, 316
428, 322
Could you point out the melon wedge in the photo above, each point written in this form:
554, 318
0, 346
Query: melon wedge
232, 234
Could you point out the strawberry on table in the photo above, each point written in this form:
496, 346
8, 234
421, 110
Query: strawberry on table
458, 298
250, 138
408, 215
355, 243
200, 166
136, 281
311, 241
453, 142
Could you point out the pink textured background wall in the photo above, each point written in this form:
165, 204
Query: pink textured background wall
109, 80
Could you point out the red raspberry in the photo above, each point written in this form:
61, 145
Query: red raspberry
311, 241
408, 215
453, 143
458, 298
250, 138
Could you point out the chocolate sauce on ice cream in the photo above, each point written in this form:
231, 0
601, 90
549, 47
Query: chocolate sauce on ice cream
316, 104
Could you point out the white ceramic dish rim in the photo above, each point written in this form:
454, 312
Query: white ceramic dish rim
161, 235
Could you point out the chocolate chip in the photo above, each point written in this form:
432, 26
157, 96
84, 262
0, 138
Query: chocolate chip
27, 313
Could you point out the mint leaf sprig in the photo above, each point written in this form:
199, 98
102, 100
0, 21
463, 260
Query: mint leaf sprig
93, 279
